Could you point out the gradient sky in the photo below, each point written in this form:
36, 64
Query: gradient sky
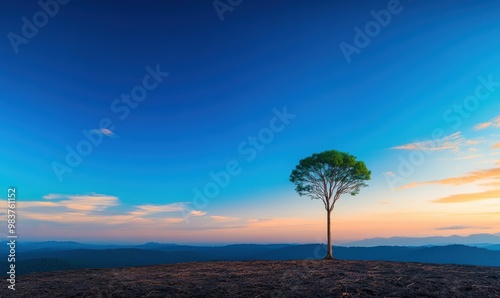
418, 102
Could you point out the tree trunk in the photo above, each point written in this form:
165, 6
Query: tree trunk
329, 254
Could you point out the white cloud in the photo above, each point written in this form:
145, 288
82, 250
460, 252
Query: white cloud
106, 214
197, 213
95, 208
149, 209
451, 142
103, 131
54, 196
493, 123
468, 157
219, 218
472, 142
97, 202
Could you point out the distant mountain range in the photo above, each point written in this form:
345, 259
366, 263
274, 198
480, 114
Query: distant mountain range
479, 240
67, 245
53, 256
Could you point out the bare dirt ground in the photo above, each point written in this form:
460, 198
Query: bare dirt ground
266, 279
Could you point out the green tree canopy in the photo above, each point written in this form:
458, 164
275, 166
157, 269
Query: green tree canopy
328, 175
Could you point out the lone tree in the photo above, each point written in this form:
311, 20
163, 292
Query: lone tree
326, 176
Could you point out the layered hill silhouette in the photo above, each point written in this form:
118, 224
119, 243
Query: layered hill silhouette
55, 256
54, 269
479, 240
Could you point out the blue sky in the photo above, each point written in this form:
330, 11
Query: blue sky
226, 81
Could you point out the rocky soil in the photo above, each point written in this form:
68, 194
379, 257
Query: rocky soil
266, 279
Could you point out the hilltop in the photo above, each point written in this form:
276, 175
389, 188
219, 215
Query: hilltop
313, 278
43, 257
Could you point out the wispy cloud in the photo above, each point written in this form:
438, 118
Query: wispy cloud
89, 202
459, 227
103, 131
451, 142
224, 218
149, 209
495, 123
173, 220
472, 142
483, 125
197, 213
496, 146
453, 228
495, 184
411, 185
94, 208
470, 197
53, 196
493, 173
96, 211
468, 157
489, 178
